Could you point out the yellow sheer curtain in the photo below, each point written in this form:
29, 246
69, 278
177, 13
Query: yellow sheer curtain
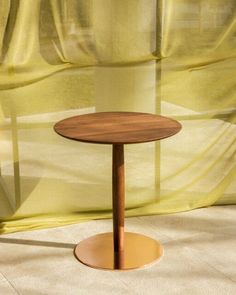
65, 57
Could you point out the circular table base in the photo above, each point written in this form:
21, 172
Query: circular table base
97, 252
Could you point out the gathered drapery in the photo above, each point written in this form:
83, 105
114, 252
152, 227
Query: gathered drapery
66, 57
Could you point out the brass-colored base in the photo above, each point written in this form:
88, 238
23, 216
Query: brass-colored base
97, 252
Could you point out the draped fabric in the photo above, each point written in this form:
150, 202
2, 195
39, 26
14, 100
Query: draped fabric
66, 57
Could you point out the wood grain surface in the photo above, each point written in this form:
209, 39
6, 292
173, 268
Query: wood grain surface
117, 127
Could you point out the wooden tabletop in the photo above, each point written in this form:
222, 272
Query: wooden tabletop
117, 127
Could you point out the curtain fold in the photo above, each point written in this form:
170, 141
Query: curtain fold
61, 58
4, 14
23, 63
72, 21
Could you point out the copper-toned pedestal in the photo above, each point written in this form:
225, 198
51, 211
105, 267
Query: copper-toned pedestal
118, 250
98, 252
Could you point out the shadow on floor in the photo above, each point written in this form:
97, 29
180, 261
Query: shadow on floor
37, 243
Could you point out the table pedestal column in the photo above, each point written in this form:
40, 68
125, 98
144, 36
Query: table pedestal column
118, 203
118, 250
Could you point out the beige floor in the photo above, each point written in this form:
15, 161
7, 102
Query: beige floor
200, 258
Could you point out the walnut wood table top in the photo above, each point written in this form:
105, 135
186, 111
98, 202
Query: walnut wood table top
117, 127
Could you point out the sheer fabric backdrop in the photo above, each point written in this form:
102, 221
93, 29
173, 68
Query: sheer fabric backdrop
65, 57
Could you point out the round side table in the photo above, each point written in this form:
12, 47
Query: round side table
118, 250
